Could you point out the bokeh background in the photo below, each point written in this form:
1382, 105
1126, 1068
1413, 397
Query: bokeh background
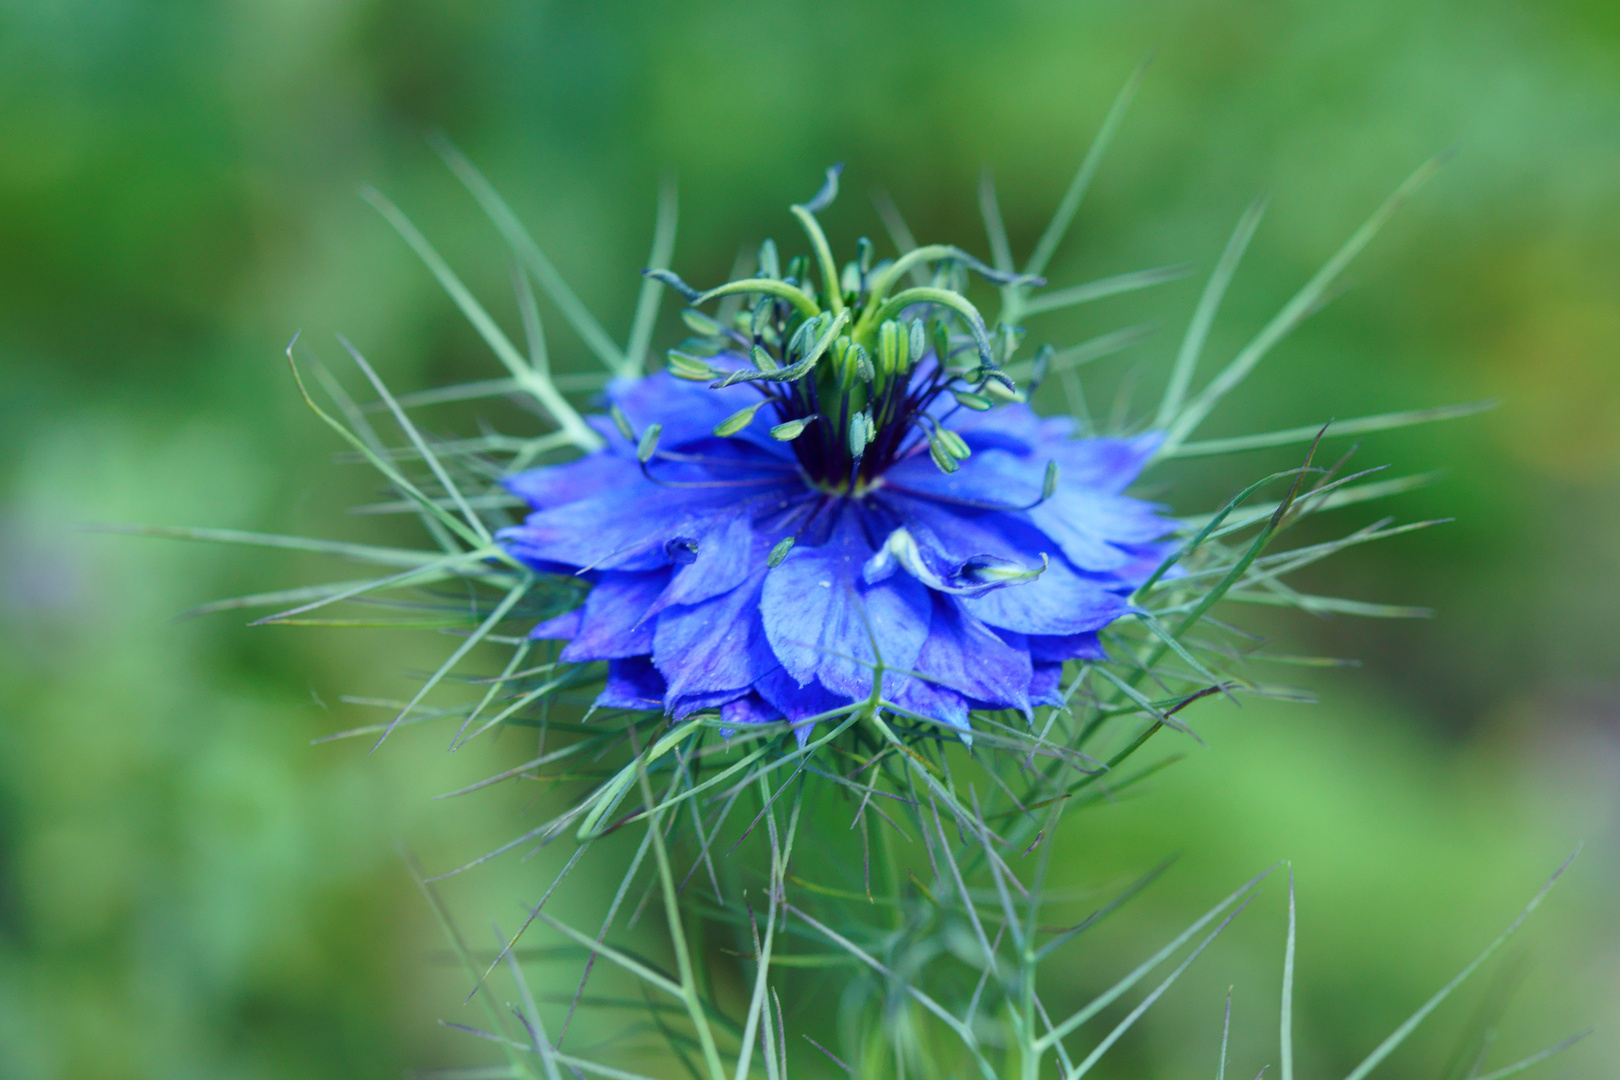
188, 888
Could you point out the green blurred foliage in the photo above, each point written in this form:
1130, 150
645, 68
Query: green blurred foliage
188, 888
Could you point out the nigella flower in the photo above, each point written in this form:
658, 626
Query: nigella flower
842, 480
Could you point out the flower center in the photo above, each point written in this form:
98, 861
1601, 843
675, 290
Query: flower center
853, 370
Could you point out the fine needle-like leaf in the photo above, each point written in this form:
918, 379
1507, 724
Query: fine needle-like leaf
362, 428
1103, 912
607, 952
1226, 1032
899, 232
1286, 1021
392, 474
1534, 1059
495, 687
995, 230
672, 916
1192, 344
486, 999
530, 1013
1292, 314
1047, 245
432, 459
963, 1032
1399, 1035
517, 237
1112, 994
1088, 291
1146, 1003
1361, 425
433, 571
495, 618
367, 553
652, 287
532, 382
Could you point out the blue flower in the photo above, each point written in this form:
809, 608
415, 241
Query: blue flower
829, 486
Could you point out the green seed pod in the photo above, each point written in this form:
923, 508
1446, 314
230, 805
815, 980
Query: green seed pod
761, 326
769, 265
850, 280
700, 323
792, 429
975, 402
1007, 341
997, 389
622, 424
942, 460
690, 368
779, 552
649, 443
864, 370
1038, 369
953, 443
737, 421
861, 430
1050, 482
942, 341
889, 343
805, 337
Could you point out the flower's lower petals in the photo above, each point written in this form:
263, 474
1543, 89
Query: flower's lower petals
615, 624
822, 622
561, 627
989, 578
964, 659
714, 646
1056, 649
632, 683
1046, 684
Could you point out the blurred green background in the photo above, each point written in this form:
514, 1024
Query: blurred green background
188, 888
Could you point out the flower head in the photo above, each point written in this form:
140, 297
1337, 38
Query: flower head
838, 482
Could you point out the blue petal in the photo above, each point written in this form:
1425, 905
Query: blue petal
681, 705
559, 628
632, 683
796, 702
746, 710
734, 549
990, 479
1058, 602
556, 485
1043, 648
1088, 526
1109, 465
615, 624
1046, 685
715, 646
962, 658
821, 622
632, 524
